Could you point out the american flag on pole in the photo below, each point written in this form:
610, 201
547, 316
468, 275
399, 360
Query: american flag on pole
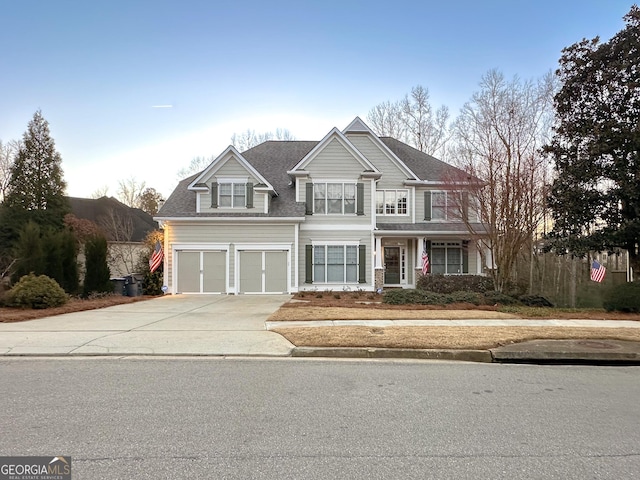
156, 257
425, 262
597, 271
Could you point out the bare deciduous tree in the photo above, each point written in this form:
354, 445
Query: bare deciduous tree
130, 191
414, 121
250, 138
197, 165
100, 192
8, 152
122, 251
499, 134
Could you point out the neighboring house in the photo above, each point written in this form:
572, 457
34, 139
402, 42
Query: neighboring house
352, 211
124, 227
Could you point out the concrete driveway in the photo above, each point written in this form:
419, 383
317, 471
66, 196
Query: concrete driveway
169, 325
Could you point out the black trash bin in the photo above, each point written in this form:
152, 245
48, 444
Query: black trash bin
119, 285
132, 288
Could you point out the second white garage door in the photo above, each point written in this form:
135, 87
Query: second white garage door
263, 271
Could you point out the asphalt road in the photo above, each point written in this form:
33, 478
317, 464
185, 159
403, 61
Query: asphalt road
315, 419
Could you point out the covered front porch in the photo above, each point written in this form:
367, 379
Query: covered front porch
398, 258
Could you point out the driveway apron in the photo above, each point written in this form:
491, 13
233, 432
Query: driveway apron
170, 325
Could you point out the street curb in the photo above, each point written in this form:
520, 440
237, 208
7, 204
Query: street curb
482, 356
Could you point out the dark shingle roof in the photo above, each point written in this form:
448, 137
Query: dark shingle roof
424, 166
272, 159
98, 210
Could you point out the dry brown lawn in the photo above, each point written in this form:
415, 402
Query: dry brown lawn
350, 307
475, 338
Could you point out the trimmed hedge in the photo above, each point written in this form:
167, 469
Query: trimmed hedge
420, 297
623, 298
535, 301
455, 283
36, 292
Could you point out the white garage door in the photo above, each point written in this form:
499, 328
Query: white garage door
263, 271
201, 271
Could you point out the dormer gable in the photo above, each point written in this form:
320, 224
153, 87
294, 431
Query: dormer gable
358, 127
231, 154
228, 185
334, 137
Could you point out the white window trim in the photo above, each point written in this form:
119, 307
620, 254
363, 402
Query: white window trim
334, 243
326, 200
384, 212
233, 181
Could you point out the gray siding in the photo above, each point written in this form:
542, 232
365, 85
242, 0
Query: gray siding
392, 176
335, 161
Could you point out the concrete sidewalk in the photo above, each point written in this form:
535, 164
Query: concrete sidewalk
236, 325
171, 325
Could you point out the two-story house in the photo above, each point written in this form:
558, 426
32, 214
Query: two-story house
351, 211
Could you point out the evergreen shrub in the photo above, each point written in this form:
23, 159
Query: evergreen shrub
455, 283
33, 291
623, 298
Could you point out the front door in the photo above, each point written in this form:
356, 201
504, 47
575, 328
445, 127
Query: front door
391, 265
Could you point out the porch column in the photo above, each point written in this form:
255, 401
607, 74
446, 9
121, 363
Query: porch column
378, 252
419, 253
378, 269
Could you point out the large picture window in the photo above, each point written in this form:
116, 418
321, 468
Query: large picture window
448, 258
391, 202
335, 263
334, 198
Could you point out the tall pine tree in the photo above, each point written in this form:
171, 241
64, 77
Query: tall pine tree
595, 198
37, 185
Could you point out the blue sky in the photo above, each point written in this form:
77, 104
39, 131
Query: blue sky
96, 69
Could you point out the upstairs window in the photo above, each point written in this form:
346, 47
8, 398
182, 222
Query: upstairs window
232, 194
334, 198
445, 205
391, 202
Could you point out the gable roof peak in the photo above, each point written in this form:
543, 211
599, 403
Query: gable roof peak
357, 126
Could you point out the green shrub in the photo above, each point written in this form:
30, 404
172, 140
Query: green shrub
499, 298
407, 297
535, 301
623, 298
466, 297
455, 283
96, 278
36, 292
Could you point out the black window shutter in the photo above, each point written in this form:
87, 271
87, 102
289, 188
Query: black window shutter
309, 199
427, 206
360, 198
465, 206
308, 264
465, 257
249, 195
214, 195
362, 264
